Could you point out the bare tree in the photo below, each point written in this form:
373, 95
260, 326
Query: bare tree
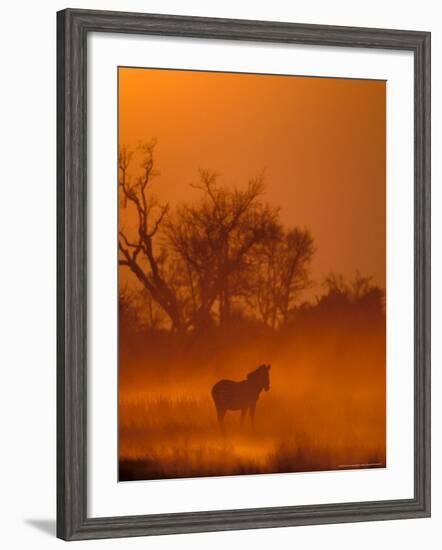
136, 245
228, 247
214, 238
280, 274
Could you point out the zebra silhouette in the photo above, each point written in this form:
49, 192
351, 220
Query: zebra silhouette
240, 396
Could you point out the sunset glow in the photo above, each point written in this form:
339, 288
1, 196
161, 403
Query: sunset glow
252, 226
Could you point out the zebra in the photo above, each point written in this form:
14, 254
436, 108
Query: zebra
234, 396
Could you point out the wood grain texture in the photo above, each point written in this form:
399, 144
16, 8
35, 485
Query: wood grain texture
72, 29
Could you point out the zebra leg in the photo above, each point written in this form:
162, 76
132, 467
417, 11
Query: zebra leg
243, 413
221, 413
252, 416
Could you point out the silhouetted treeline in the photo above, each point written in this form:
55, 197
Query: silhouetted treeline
355, 302
204, 264
347, 318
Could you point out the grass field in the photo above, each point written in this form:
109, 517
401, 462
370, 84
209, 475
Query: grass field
178, 437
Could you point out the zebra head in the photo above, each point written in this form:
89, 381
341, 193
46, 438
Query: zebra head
260, 377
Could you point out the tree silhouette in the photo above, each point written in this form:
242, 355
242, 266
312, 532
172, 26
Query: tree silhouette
280, 273
359, 294
227, 248
215, 239
138, 252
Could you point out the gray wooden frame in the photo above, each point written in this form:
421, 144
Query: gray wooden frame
73, 27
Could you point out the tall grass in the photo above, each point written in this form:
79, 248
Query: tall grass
179, 437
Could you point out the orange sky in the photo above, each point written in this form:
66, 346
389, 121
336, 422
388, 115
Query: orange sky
320, 141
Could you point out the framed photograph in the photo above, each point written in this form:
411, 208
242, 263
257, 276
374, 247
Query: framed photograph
243, 274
